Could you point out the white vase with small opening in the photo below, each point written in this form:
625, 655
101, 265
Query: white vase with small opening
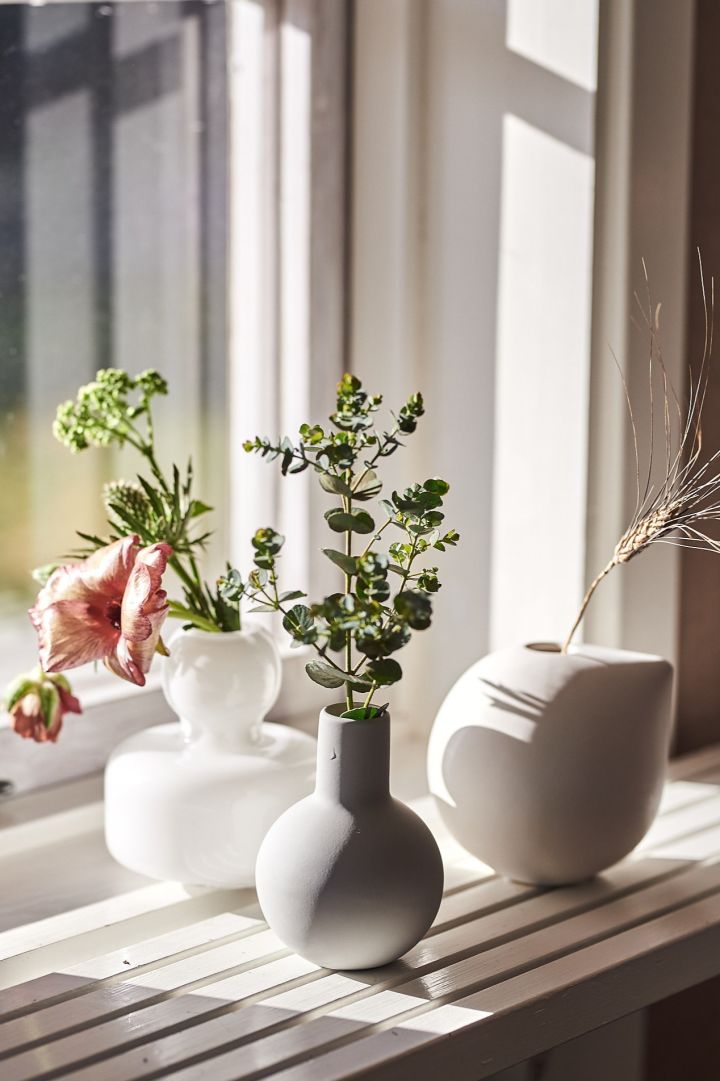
549, 766
191, 801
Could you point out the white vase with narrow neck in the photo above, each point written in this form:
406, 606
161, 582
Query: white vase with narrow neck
191, 801
350, 877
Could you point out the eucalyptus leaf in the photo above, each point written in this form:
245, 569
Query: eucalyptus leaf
344, 562
384, 671
335, 485
356, 522
323, 673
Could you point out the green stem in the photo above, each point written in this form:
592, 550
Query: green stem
275, 602
348, 634
375, 536
371, 692
376, 455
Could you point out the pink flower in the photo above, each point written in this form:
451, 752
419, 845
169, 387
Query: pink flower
37, 704
110, 607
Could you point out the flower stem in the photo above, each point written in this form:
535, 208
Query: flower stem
586, 601
349, 703
371, 692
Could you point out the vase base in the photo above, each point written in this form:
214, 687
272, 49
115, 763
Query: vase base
195, 813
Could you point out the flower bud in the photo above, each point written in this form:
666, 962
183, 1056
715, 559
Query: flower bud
37, 703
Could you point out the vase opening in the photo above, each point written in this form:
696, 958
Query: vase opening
544, 647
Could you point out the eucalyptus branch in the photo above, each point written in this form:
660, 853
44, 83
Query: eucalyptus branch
366, 623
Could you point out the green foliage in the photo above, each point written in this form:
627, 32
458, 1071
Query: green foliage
106, 411
116, 408
369, 620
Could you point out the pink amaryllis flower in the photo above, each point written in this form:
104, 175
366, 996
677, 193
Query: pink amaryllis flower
110, 607
37, 704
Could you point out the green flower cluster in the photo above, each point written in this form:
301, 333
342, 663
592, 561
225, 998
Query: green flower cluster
102, 412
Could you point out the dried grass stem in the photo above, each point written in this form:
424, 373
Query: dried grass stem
677, 508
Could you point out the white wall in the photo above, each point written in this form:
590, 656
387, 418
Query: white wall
472, 250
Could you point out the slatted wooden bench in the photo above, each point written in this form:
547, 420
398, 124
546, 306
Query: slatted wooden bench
158, 983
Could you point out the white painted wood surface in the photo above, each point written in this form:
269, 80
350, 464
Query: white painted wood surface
154, 982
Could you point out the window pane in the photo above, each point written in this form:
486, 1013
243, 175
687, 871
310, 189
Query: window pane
112, 226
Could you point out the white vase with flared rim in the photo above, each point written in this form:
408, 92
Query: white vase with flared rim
549, 767
192, 800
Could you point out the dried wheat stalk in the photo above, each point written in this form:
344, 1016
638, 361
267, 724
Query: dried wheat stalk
675, 510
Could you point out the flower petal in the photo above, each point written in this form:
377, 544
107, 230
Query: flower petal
103, 575
68, 702
71, 633
122, 663
144, 609
145, 602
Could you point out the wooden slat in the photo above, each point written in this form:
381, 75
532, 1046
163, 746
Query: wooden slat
497, 961
53, 944
147, 987
526, 1015
42, 1023
304, 1042
121, 963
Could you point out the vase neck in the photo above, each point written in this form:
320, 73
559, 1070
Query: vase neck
353, 759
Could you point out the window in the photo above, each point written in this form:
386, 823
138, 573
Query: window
172, 196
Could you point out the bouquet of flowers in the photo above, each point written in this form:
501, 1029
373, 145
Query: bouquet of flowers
109, 603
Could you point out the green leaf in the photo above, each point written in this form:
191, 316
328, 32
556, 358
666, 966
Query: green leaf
292, 595
180, 611
384, 671
414, 608
263, 608
344, 562
49, 701
197, 507
357, 522
324, 674
369, 486
299, 467
437, 485
300, 624
18, 689
153, 496
335, 485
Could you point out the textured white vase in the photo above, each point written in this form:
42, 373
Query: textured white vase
350, 877
192, 801
550, 767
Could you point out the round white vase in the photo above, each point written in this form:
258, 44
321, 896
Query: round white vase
350, 877
549, 767
192, 801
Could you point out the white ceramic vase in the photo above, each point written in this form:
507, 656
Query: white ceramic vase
192, 801
350, 877
549, 767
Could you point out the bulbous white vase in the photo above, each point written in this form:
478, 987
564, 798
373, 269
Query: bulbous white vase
549, 767
350, 877
192, 801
